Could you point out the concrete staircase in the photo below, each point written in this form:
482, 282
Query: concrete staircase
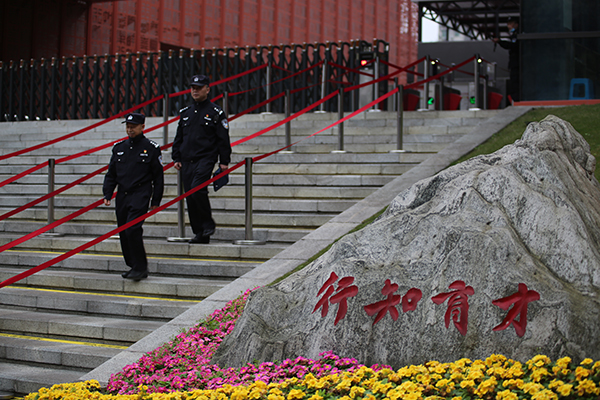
66, 320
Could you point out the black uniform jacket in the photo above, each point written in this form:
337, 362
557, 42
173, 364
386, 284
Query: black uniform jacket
136, 164
202, 132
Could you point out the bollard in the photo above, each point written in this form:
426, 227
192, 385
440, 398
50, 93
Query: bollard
180, 213
51, 174
341, 124
249, 239
399, 120
165, 119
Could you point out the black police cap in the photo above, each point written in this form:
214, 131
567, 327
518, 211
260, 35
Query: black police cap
199, 80
135, 118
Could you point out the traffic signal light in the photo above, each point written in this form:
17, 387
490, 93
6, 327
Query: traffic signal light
430, 101
365, 57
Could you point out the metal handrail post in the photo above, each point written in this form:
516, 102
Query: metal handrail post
226, 102
248, 234
323, 85
476, 80
485, 92
441, 94
288, 125
180, 213
399, 120
341, 124
426, 85
165, 119
51, 167
375, 92
51, 175
268, 90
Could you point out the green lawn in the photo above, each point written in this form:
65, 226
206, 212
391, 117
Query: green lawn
585, 119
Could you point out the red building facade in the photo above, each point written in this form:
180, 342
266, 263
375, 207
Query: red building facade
56, 28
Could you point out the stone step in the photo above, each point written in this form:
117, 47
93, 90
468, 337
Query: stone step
106, 216
54, 352
23, 379
236, 178
222, 250
183, 288
76, 327
198, 268
8, 203
90, 303
267, 191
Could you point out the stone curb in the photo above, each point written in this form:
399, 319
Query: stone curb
309, 245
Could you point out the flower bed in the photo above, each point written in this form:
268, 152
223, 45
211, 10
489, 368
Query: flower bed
180, 370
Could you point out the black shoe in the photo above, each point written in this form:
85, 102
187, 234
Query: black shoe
126, 273
137, 275
208, 232
200, 239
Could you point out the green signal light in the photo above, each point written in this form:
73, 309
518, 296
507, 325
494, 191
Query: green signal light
472, 100
430, 101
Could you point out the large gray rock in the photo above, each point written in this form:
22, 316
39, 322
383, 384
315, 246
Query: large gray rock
527, 214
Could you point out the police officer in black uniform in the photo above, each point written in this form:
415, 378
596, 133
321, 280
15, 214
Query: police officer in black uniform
512, 45
136, 168
201, 140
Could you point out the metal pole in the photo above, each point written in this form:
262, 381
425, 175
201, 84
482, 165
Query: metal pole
441, 94
323, 85
399, 120
165, 119
485, 92
288, 125
476, 80
341, 125
248, 220
180, 213
226, 102
426, 85
51, 174
51, 166
268, 106
375, 92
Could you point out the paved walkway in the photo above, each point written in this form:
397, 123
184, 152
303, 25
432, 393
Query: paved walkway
311, 244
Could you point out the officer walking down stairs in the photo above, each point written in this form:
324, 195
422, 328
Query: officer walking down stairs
136, 168
201, 140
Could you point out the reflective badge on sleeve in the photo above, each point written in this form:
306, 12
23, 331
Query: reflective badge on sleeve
225, 124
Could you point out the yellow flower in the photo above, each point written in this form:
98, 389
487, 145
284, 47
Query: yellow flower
538, 374
356, 391
563, 363
276, 391
538, 361
506, 395
467, 383
315, 396
544, 395
275, 397
587, 386
564, 390
581, 372
295, 394
587, 361
486, 386
532, 387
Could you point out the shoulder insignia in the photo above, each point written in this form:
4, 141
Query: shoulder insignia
153, 143
183, 109
118, 143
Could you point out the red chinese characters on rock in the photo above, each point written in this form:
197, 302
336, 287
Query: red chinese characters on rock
344, 290
381, 308
520, 300
458, 305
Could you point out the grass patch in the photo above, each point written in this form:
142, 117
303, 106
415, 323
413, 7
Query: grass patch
585, 119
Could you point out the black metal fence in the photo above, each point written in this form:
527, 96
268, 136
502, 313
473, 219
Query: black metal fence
100, 86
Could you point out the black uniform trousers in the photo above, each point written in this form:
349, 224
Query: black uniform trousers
129, 206
195, 173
